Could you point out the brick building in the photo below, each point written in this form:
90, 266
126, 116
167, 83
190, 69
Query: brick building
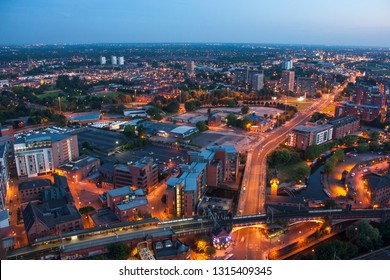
303, 136
344, 126
52, 217
80, 168
141, 174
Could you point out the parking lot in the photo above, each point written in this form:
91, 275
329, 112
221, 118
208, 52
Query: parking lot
159, 154
105, 141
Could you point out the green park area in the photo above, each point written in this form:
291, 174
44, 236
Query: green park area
300, 105
289, 165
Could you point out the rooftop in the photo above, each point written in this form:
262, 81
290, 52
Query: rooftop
183, 129
37, 183
308, 129
49, 214
129, 204
126, 190
226, 148
78, 163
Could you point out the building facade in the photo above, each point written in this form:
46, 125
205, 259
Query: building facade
287, 82
344, 126
303, 136
79, 168
141, 174
40, 154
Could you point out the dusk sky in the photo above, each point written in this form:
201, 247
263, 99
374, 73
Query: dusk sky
330, 22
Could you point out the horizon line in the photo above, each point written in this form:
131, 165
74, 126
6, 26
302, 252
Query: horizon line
198, 43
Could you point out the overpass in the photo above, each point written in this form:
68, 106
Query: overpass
153, 229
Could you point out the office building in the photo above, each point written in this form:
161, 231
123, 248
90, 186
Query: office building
39, 154
141, 174
114, 60
103, 60
287, 82
226, 155
303, 136
121, 60
258, 81
244, 77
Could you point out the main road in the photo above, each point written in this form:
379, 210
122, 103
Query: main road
252, 198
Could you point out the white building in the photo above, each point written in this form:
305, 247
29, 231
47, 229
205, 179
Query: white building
287, 65
258, 81
114, 60
121, 60
102, 60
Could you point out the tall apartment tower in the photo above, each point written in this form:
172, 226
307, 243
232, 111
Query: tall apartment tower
121, 60
287, 64
287, 80
190, 67
114, 60
258, 81
103, 60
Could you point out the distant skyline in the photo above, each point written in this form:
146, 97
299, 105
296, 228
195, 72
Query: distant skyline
331, 22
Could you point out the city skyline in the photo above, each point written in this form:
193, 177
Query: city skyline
332, 23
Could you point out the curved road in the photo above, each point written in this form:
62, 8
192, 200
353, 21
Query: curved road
252, 199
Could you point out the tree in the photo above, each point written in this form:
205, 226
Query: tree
364, 236
231, 119
201, 242
192, 105
245, 110
210, 251
374, 146
350, 140
129, 131
164, 199
201, 125
119, 250
172, 107
374, 135
246, 123
336, 250
363, 147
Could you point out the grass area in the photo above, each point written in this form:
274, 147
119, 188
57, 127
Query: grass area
108, 94
329, 109
50, 94
301, 105
286, 172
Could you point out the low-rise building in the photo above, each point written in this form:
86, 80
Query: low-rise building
127, 203
80, 168
52, 217
344, 126
303, 136
183, 131
379, 190
32, 190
